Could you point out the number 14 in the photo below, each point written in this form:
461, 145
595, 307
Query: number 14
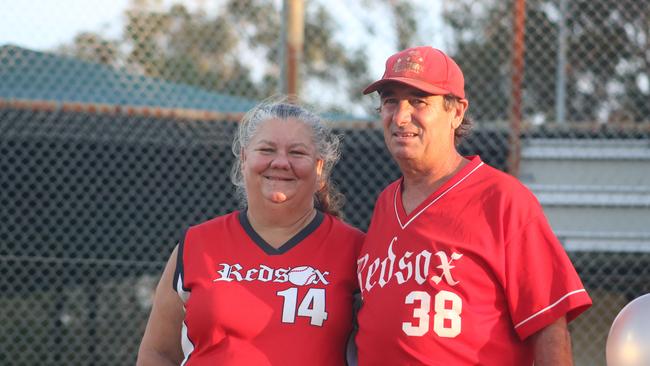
312, 305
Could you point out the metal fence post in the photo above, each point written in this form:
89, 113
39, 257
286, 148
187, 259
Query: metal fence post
560, 87
519, 15
292, 44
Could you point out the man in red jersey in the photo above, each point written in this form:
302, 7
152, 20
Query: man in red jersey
459, 266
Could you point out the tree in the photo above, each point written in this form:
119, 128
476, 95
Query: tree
92, 47
607, 57
236, 50
190, 48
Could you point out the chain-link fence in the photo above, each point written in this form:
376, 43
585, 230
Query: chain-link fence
111, 144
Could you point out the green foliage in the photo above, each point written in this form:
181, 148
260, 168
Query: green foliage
237, 50
607, 44
219, 51
405, 23
92, 47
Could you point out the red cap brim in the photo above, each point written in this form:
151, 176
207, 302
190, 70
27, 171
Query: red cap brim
418, 84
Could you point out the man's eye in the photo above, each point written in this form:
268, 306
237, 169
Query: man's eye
418, 102
389, 101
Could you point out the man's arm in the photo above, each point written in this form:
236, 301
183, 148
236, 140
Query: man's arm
552, 345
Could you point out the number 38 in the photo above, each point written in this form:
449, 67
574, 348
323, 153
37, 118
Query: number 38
442, 313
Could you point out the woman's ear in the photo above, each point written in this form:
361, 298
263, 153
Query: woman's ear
242, 154
320, 163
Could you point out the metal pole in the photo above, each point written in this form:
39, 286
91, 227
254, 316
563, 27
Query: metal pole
292, 44
516, 82
282, 81
560, 86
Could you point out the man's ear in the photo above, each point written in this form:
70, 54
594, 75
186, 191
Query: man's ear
459, 109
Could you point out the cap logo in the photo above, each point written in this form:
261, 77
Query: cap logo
413, 62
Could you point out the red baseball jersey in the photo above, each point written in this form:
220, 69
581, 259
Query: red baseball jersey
464, 278
247, 303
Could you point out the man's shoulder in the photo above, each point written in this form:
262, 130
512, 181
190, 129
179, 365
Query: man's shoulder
501, 181
500, 189
392, 186
388, 192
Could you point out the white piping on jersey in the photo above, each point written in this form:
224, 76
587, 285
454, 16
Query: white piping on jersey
549, 307
184, 295
432, 202
186, 344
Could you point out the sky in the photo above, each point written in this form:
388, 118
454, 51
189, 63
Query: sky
44, 24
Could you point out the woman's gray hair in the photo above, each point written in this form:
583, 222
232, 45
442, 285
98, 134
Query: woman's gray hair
327, 146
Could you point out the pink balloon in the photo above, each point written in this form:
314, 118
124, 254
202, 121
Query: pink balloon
628, 342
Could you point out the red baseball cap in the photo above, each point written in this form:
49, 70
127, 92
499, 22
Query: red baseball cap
425, 68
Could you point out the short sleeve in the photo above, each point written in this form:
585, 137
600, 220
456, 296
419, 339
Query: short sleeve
541, 283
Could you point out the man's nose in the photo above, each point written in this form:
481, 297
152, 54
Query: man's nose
402, 113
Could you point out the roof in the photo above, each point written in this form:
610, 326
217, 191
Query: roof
39, 76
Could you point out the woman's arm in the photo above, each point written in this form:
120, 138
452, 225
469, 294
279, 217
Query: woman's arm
161, 343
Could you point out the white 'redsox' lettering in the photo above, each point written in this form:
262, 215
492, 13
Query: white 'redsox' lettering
408, 266
299, 275
445, 266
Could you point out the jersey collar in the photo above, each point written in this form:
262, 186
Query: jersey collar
404, 220
292, 242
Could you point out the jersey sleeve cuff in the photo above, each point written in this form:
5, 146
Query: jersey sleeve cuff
571, 305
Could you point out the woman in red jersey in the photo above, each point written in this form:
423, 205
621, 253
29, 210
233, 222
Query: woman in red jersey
273, 283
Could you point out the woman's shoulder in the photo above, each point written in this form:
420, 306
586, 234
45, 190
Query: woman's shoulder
217, 222
345, 228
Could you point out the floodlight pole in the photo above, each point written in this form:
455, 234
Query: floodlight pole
560, 87
293, 29
519, 19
